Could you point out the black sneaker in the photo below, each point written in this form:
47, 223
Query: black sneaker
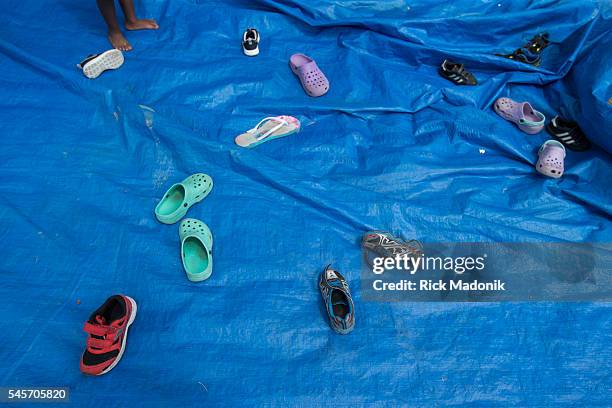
250, 42
530, 52
386, 245
455, 72
338, 300
538, 43
523, 55
569, 134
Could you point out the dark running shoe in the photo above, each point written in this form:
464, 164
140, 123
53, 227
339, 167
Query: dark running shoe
455, 72
530, 52
537, 44
250, 42
569, 134
386, 245
107, 328
338, 301
523, 55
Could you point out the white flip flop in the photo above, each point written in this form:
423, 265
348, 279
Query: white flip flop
270, 128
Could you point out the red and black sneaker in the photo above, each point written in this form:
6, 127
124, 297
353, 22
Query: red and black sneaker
108, 328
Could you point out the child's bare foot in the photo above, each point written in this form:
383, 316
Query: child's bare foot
141, 24
118, 41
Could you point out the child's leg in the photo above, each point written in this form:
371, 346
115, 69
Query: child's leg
116, 38
131, 21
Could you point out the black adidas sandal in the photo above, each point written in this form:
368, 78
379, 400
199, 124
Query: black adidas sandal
569, 134
455, 72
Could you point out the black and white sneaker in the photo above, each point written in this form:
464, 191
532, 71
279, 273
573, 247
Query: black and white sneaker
385, 245
338, 300
568, 133
94, 65
250, 42
454, 72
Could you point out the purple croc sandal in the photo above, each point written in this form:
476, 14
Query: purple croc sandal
528, 119
550, 159
312, 78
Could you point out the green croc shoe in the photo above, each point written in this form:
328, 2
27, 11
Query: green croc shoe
196, 249
180, 197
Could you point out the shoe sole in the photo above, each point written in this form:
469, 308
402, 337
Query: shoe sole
111, 59
124, 341
250, 53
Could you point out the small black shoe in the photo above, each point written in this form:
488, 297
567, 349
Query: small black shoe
455, 72
388, 246
338, 300
569, 134
523, 55
250, 42
538, 43
530, 52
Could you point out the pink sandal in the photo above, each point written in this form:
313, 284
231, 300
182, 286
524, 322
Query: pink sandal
550, 159
312, 78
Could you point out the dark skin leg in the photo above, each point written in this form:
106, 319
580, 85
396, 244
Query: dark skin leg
116, 38
132, 22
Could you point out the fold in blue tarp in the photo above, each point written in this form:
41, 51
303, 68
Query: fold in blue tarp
392, 146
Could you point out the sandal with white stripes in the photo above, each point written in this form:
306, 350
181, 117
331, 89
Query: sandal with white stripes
454, 72
270, 128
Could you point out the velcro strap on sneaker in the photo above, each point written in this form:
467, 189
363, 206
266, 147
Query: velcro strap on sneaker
98, 330
99, 343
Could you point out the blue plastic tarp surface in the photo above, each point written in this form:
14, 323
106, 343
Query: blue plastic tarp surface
392, 146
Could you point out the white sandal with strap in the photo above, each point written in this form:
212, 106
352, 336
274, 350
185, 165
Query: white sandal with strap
269, 128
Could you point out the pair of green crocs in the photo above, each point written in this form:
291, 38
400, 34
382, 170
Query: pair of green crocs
196, 238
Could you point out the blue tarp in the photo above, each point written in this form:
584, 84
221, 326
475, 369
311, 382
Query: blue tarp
392, 146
